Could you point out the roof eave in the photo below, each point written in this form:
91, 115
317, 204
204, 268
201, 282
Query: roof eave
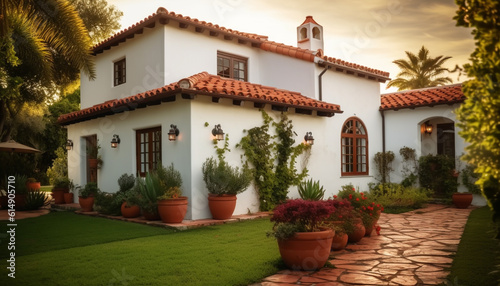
353, 71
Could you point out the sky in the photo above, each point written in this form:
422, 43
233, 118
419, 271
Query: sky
371, 33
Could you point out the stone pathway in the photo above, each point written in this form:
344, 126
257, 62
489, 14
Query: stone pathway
414, 248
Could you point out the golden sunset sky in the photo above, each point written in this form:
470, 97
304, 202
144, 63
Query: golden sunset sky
372, 33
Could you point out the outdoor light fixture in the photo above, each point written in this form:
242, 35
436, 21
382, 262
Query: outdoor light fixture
173, 132
427, 128
69, 144
218, 133
115, 141
309, 138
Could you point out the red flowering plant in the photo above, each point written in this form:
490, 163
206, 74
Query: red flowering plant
367, 209
341, 220
299, 215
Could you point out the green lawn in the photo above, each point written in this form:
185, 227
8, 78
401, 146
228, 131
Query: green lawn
478, 252
68, 249
46, 188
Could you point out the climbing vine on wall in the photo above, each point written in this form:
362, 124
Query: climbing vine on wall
273, 159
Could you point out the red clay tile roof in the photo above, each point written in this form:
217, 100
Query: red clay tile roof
431, 96
260, 41
309, 19
209, 85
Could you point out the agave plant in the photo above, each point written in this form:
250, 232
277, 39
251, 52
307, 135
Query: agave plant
36, 200
149, 189
311, 190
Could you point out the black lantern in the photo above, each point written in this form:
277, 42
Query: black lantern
69, 144
309, 138
173, 132
218, 133
115, 141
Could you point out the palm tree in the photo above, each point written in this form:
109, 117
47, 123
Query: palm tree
36, 36
419, 71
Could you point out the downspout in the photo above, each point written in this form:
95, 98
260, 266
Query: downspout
383, 130
320, 82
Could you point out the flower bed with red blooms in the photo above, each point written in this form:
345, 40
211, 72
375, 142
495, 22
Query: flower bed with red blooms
369, 210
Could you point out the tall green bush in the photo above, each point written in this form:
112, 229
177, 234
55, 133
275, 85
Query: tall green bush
437, 173
383, 162
273, 159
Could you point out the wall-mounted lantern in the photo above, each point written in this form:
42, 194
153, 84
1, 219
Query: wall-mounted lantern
173, 132
218, 133
427, 128
69, 144
309, 138
115, 141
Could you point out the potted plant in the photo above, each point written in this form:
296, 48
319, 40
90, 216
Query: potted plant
310, 190
61, 186
21, 192
224, 183
86, 197
94, 159
464, 199
172, 206
130, 206
69, 196
340, 221
149, 190
36, 199
32, 184
303, 240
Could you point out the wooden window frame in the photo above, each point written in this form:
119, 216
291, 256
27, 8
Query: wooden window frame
352, 159
152, 161
232, 59
119, 72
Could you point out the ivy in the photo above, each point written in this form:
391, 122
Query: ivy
273, 159
383, 162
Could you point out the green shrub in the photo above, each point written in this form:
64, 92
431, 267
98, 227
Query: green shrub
437, 173
36, 200
220, 178
126, 182
395, 196
310, 190
108, 203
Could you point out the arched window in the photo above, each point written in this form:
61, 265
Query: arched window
354, 142
303, 33
316, 33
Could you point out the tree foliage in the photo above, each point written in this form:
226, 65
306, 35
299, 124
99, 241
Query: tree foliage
419, 71
479, 116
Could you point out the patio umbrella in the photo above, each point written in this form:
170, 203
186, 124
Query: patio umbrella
14, 147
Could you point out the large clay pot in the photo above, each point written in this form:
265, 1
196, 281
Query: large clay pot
339, 241
222, 207
130, 211
93, 163
172, 210
358, 233
68, 198
369, 228
306, 250
462, 200
86, 204
33, 186
58, 195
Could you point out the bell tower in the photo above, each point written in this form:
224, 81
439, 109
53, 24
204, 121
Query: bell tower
310, 35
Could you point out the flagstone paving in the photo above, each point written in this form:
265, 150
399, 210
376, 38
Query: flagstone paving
414, 248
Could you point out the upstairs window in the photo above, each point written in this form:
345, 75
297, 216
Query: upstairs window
119, 72
354, 148
232, 66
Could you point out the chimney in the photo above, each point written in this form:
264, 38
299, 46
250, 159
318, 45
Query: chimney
310, 35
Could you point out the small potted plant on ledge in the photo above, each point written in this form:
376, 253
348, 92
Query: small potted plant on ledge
86, 198
172, 206
94, 159
32, 184
304, 240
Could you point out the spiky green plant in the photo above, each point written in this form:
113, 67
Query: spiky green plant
36, 200
311, 190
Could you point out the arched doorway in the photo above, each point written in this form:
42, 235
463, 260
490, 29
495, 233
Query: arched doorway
437, 136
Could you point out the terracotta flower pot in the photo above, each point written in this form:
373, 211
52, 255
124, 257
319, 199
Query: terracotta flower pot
58, 195
86, 204
35, 186
222, 207
462, 200
172, 210
358, 233
369, 228
130, 211
93, 163
339, 241
68, 198
306, 250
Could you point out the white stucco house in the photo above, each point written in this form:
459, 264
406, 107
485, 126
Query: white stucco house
170, 69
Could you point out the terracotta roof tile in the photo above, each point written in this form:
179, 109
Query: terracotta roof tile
309, 19
162, 15
209, 85
448, 94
